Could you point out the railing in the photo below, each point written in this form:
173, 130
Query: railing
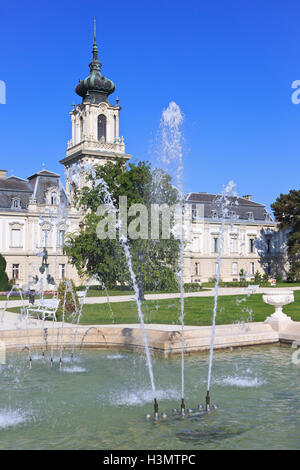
117, 146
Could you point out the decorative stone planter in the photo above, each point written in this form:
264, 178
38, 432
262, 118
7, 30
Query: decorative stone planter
278, 298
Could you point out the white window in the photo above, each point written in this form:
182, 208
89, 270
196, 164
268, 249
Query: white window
45, 238
197, 269
215, 245
196, 244
15, 271
194, 212
234, 268
15, 237
62, 271
251, 245
252, 269
61, 238
250, 216
233, 245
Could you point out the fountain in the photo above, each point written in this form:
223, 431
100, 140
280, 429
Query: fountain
123, 241
100, 390
171, 121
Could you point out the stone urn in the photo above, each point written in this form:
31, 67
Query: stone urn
278, 298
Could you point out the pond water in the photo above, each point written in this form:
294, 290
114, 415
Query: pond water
100, 401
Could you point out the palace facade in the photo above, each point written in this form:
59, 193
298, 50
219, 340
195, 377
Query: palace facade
37, 213
251, 240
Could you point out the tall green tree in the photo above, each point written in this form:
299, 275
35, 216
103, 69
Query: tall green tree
287, 211
154, 261
4, 283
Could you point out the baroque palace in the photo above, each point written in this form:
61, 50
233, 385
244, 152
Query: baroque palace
36, 213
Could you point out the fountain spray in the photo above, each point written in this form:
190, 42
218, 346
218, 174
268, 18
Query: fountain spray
155, 409
182, 407
171, 121
67, 284
124, 243
223, 202
207, 401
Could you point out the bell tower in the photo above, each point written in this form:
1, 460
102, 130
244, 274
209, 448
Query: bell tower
95, 124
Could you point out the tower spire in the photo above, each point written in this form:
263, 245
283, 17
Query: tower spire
95, 88
95, 47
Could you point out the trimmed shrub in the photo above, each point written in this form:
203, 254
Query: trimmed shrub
192, 286
69, 298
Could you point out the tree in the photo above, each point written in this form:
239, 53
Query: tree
257, 278
287, 211
154, 260
4, 283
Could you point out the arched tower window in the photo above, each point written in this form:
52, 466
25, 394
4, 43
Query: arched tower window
81, 128
101, 127
53, 199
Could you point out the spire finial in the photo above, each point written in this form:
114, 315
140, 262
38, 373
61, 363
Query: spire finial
95, 47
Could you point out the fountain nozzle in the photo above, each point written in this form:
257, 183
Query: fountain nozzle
30, 363
155, 409
182, 407
60, 363
207, 401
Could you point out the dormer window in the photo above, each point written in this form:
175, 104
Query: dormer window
16, 203
268, 217
250, 216
214, 214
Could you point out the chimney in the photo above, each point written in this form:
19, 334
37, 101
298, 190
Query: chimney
3, 174
248, 196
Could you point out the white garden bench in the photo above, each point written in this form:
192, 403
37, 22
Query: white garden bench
81, 296
252, 289
45, 308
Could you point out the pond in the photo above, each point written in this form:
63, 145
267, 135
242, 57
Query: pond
101, 400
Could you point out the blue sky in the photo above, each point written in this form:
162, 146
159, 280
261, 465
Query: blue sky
228, 64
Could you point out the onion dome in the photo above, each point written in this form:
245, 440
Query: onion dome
95, 88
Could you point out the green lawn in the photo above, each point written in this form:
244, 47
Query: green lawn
102, 293
198, 311
280, 284
114, 292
